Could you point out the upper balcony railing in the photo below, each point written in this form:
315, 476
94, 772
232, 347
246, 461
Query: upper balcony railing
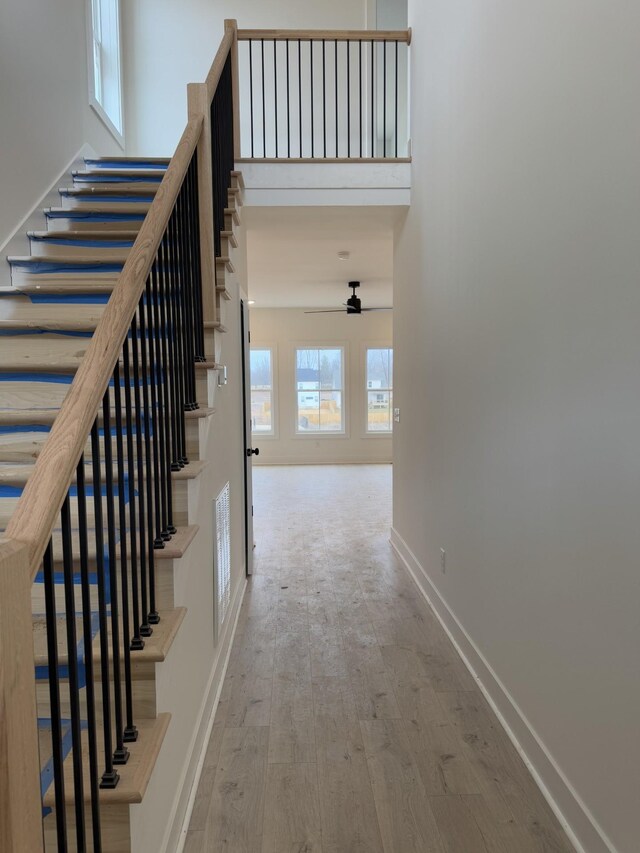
323, 94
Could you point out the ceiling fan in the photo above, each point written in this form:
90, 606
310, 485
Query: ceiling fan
353, 304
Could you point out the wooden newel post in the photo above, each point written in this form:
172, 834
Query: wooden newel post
20, 806
232, 25
199, 105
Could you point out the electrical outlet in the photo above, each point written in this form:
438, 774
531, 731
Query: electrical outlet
443, 561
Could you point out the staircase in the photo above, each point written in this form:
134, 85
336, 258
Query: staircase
47, 319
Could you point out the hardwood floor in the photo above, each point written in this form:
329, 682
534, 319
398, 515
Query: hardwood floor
347, 722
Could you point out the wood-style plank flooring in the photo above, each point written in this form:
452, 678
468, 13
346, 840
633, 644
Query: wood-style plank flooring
347, 722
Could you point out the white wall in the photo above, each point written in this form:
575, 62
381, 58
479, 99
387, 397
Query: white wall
286, 328
44, 104
168, 46
516, 313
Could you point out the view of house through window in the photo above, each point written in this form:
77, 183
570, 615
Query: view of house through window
319, 387
104, 62
379, 390
261, 364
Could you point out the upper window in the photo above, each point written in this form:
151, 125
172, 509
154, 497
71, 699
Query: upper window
261, 362
379, 381
104, 80
319, 389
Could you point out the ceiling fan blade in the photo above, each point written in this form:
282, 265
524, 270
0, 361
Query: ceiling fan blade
327, 311
377, 309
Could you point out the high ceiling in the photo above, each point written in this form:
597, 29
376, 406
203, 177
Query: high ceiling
292, 255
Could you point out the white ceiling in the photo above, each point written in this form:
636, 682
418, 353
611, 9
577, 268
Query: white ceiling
292, 255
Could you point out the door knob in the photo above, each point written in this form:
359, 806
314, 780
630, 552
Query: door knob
252, 451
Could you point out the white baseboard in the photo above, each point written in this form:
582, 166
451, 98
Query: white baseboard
571, 811
176, 834
18, 243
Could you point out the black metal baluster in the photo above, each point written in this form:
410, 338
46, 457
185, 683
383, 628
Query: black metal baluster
251, 94
372, 101
178, 330
150, 469
348, 45
275, 91
264, 113
311, 79
164, 404
195, 239
288, 108
121, 753
396, 103
324, 98
72, 669
177, 407
110, 776
130, 733
187, 293
384, 98
54, 696
156, 419
168, 355
336, 93
87, 636
145, 628
300, 92
360, 90
137, 642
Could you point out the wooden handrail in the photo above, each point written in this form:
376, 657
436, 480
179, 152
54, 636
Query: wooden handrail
328, 35
39, 505
217, 67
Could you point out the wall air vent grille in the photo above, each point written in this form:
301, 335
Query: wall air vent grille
222, 559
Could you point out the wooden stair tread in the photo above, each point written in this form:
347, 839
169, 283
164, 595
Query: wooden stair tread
198, 414
225, 262
207, 365
17, 473
231, 237
233, 213
179, 543
134, 775
156, 647
191, 470
239, 178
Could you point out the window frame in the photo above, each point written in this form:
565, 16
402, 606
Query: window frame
273, 433
316, 434
94, 102
378, 433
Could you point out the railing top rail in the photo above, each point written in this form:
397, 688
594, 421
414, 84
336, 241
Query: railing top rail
217, 66
327, 35
39, 505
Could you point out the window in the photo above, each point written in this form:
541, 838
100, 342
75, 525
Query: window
379, 378
261, 365
319, 387
105, 89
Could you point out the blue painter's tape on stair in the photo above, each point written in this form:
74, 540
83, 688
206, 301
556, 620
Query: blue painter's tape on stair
9, 430
126, 164
115, 199
87, 244
106, 178
15, 332
48, 267
54, 378
94, 216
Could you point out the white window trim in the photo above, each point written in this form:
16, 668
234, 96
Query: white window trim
274, 434
366, 432
95, 105
317, 435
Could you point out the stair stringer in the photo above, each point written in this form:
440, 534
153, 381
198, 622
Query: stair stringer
189, 680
